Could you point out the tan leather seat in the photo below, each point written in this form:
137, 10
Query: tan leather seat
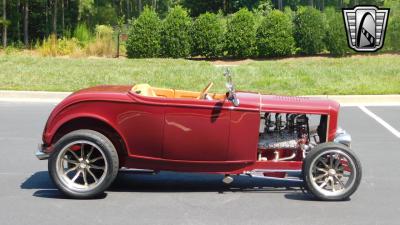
147, 90
144, 89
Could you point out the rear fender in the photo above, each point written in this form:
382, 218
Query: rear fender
70, 119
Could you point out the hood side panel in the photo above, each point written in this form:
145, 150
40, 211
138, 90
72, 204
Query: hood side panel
273, 103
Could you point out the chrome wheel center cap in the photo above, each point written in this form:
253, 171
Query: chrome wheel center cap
82, 165
331, 172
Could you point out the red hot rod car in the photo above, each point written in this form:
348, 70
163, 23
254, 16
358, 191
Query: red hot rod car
96, 132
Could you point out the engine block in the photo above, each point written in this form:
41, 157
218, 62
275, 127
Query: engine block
282, 135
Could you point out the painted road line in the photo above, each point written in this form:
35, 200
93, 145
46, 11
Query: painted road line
380, 120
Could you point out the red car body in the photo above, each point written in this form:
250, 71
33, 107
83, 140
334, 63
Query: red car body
181, 134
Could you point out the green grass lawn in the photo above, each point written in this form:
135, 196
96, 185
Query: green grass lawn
294, 76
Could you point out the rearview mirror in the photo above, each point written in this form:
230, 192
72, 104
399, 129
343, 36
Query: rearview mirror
231, 88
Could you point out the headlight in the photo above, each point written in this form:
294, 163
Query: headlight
342, 137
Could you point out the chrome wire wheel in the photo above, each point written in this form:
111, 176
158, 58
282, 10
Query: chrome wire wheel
81, 166
333, 173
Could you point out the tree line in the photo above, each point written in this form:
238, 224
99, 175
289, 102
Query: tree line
25, 21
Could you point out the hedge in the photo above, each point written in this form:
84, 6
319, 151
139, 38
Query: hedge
175, 39
306, 31
144, 36
240, 37
309, 31
275, 35
207, 36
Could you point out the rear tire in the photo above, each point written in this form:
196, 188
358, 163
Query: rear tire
331, 171
83, 164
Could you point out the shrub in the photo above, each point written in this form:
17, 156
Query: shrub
144, 36
335, 39
207, 36
264, 7
275, 35
11, 49
104, 44
289, 12
392, 42
392, 39
82, 33
104, 32
59, 47
175, 39
309, 30
241, 34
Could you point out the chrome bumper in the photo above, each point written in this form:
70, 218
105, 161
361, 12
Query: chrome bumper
342, 137
40, 154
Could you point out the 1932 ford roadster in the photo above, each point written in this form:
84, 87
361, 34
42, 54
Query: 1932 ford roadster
95, 132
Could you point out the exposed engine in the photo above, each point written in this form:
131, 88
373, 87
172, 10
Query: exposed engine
285, 136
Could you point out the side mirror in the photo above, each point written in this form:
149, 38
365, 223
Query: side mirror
231, 88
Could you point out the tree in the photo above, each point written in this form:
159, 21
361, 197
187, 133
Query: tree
26, 23
55, 2
140, 6
197, 7
85, 9
4, 24
62, 16
280, 4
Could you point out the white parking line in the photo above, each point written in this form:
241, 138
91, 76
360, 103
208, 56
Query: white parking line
381, 121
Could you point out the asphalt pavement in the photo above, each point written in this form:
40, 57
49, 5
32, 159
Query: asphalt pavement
27, 195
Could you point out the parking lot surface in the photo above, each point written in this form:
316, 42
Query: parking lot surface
27, 195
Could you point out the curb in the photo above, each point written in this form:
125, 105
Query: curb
344, 100
33, 96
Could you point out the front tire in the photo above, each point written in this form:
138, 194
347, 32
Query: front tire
331, 171
83, 164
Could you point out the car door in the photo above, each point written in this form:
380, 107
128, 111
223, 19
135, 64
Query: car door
196, 130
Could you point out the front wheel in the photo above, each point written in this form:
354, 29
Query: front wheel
84, 164
331, 171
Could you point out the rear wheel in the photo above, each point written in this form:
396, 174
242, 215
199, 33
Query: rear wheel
84, 164
331, 171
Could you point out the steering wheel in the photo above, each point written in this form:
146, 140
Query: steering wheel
203, 94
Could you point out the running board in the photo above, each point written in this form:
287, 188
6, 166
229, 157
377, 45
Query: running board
132, 170
259, 173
